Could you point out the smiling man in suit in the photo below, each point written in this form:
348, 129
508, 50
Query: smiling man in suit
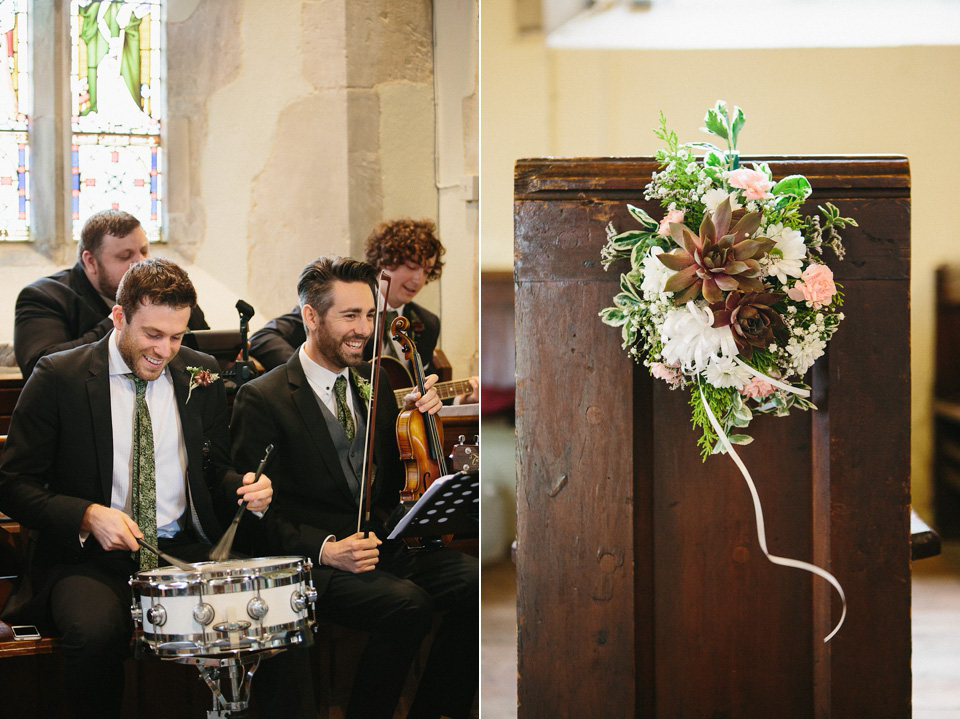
105, 448
313, 410
72, 307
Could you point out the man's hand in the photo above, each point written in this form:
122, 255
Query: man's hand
428, 404
354, 554
257, 495
473, 397
111, 527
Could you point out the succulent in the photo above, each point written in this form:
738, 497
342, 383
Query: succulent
716, 262
751, 317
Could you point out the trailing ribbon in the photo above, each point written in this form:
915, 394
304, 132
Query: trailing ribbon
770, 380
761, 534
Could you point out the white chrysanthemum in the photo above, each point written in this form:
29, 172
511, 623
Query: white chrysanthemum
792, 251
690, 341
805, 352
655, 275
713, 198
724, 372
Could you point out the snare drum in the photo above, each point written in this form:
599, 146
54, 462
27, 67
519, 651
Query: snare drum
224, 607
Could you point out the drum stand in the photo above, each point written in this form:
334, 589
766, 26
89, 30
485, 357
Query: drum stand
229, 679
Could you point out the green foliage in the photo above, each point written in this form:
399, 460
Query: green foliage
668, 136
721, 401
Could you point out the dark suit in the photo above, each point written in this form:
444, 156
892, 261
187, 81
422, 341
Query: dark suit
273, 345
396, 601
61, 312
58, 460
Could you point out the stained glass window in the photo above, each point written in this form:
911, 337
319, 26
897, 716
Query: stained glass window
116, 96
14, 99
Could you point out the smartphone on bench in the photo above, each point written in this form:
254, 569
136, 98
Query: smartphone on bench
25, 632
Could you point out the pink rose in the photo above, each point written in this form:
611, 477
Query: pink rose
755, 183
756, 388
666, 373
816, 286
672, 216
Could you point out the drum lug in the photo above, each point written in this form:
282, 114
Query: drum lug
203, 613
137, 613
157, 615
257, 608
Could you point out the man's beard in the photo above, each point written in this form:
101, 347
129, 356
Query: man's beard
333, 349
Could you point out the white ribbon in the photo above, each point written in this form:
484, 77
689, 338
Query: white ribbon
761, 534
769, 380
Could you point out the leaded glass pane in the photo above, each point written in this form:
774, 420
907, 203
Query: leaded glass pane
116, 109
14, 99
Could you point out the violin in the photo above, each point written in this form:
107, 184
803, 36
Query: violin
420, 439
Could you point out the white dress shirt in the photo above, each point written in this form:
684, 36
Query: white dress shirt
170, 452
321, 382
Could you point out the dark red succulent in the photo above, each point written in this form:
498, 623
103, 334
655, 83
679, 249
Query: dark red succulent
751, 317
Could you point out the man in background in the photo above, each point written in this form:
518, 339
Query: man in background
72, 307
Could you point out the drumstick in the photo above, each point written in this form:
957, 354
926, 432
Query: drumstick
222, 550
178, 563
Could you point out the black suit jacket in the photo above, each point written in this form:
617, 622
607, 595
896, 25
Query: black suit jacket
58, 458
312, 498
277, 341
61, 312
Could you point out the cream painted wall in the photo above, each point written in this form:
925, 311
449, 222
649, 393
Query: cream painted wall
540, 102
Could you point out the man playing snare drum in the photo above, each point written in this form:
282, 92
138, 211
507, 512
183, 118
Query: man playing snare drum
107, 446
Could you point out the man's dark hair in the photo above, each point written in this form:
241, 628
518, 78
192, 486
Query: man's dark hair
156, 281
315, 286
395, 242
106, 222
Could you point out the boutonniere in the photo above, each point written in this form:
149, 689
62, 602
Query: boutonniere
416, 324
363, 386
200, 377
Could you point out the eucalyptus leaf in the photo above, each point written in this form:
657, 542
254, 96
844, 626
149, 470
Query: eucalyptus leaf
612, 316
796, 185
715, 159
626, 240
716, 123
643, 218
703, 146
627, 287
737, 125
743, 414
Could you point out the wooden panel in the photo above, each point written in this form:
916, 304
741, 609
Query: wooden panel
575, 555
641, 587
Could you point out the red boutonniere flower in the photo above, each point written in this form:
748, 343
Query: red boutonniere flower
200, 377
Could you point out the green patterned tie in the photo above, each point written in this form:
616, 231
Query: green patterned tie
144, 474
343, 411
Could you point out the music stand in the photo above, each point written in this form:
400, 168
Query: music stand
451, 505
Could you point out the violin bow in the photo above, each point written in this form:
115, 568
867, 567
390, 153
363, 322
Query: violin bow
366, 480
